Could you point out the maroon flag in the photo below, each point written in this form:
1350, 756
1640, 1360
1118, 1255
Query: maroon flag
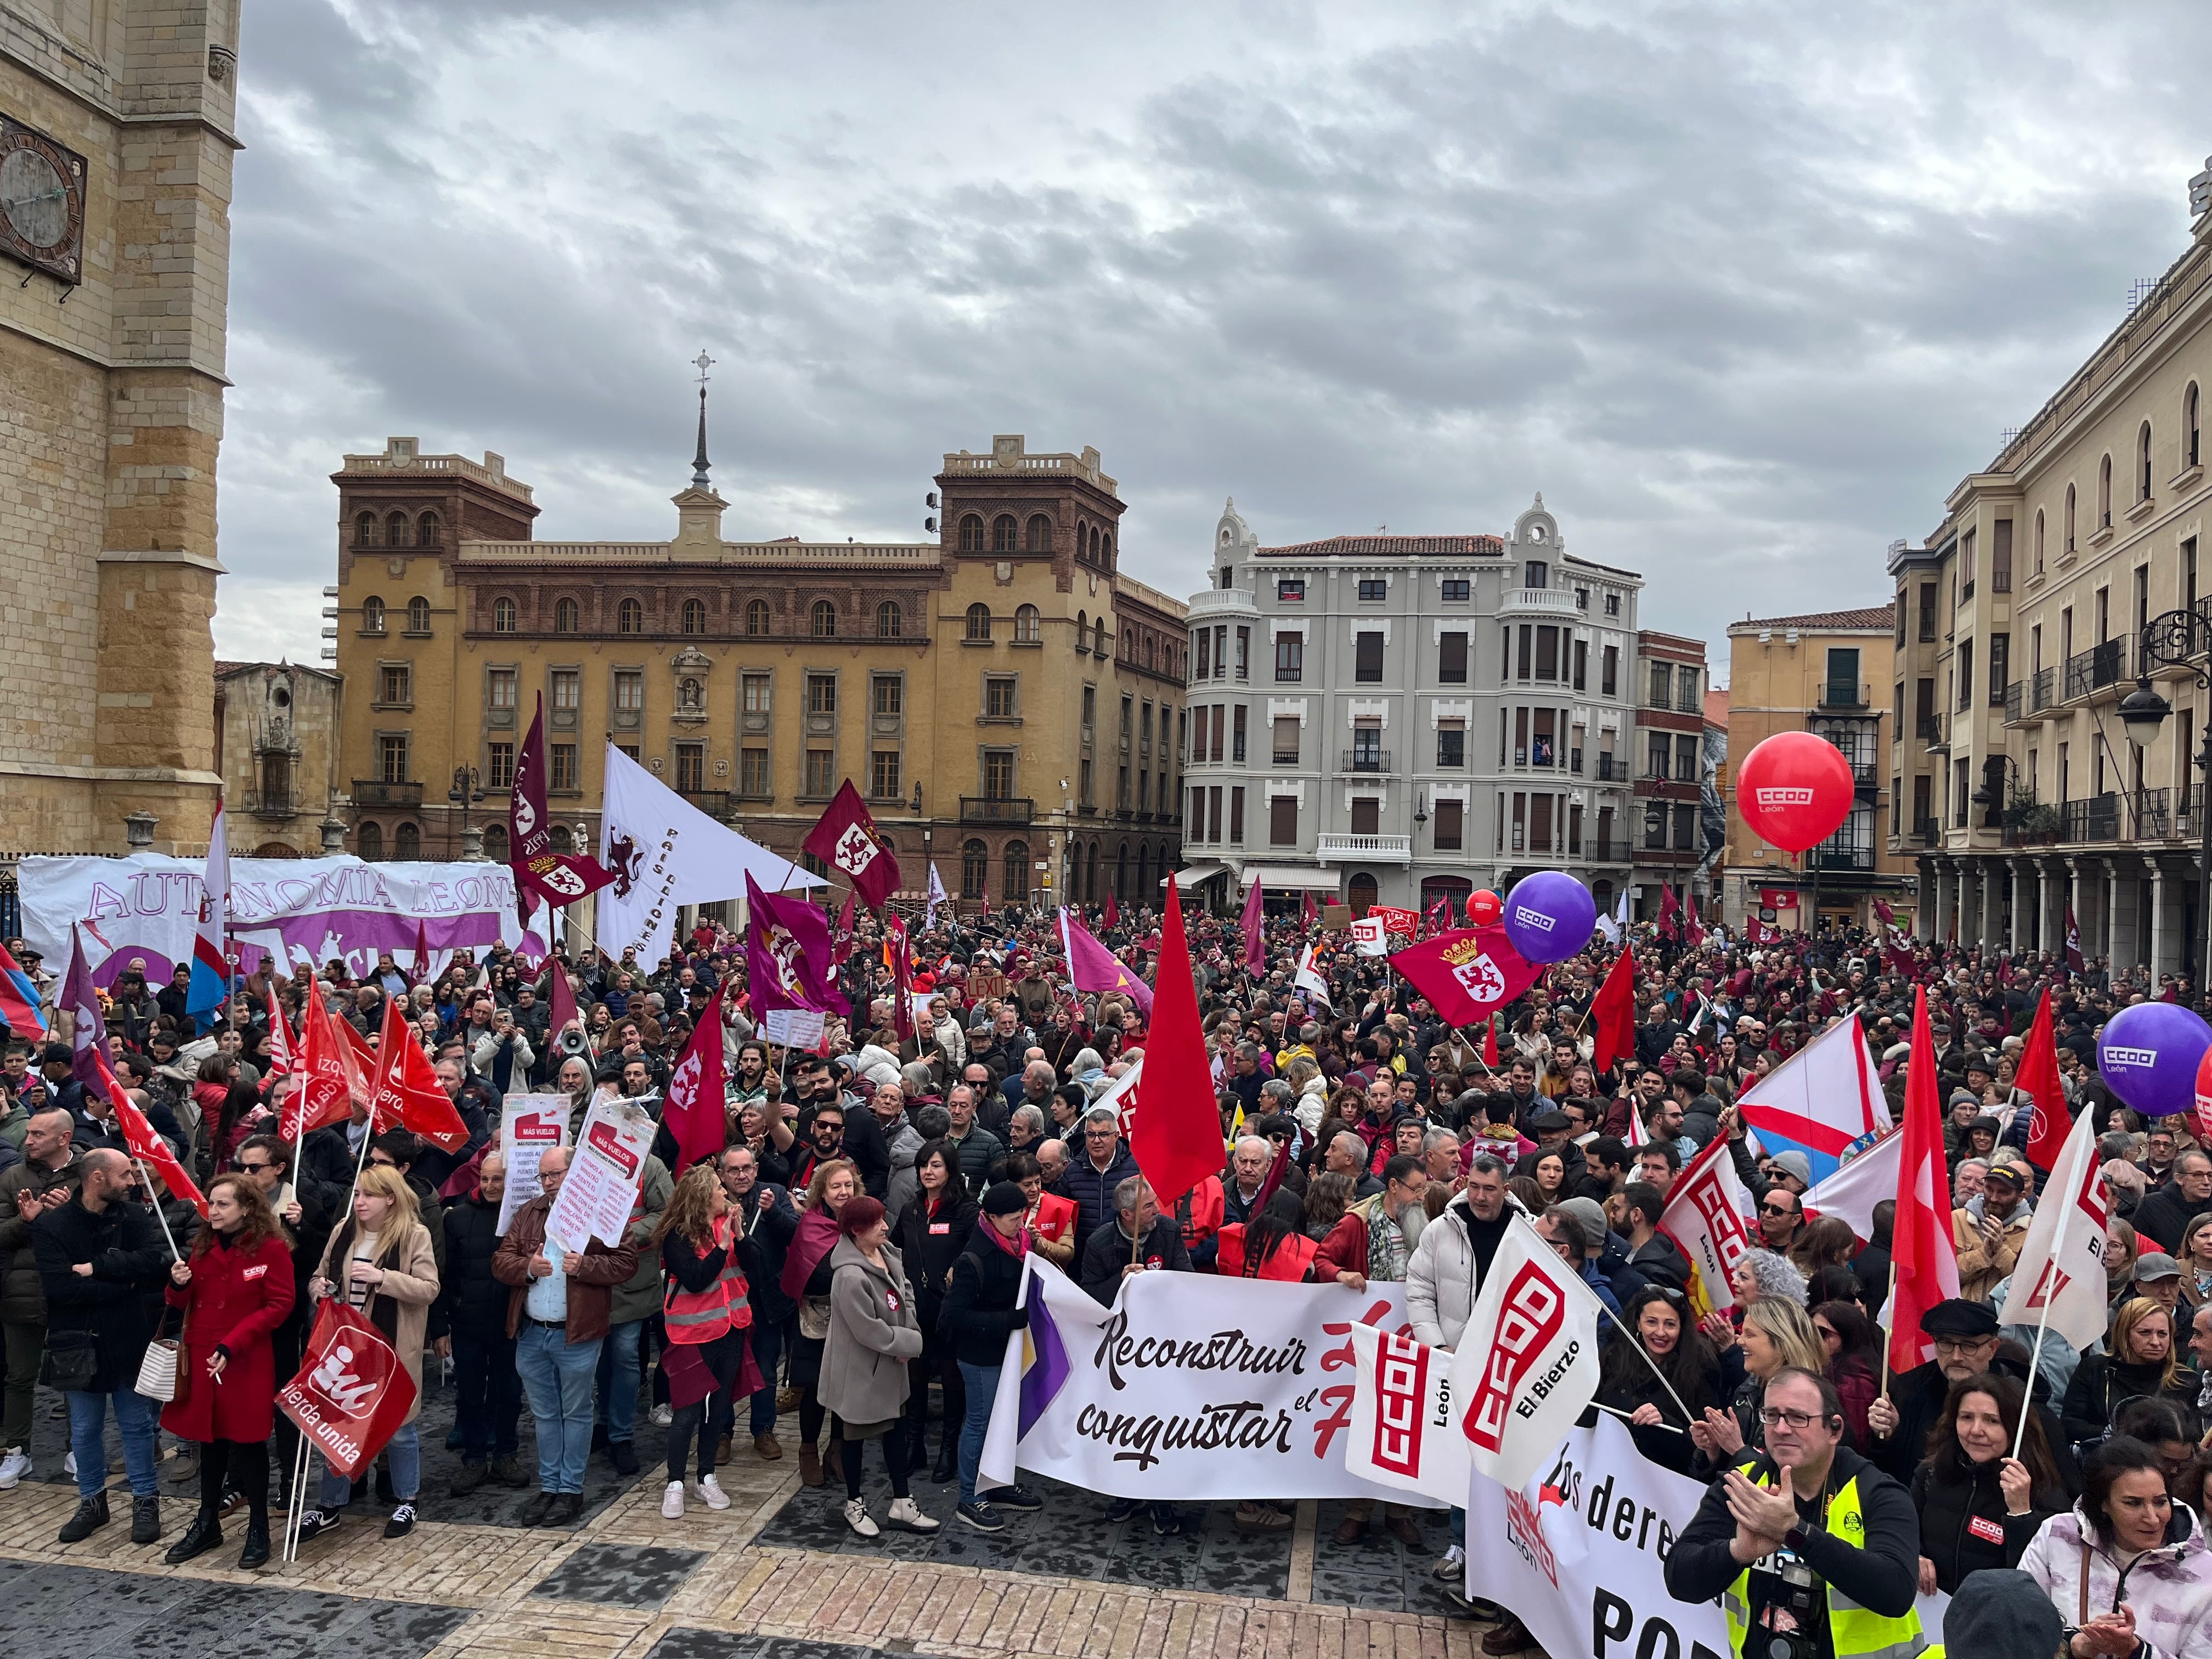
419, 969
1309, 911
847, 840
901, 966
1252, 923
788, 954
352, 1393
540, 873
1883, 911
1694, 929
1669, 910
2074, 963
844, 942
1468, 974
560, 999
694, 1114
1440, 915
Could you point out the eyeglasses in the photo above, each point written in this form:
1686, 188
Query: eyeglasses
1774, 1416
1776, 1210
1961, 1345
254, 1168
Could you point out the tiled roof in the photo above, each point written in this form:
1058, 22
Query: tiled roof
1391, 547
1871, 616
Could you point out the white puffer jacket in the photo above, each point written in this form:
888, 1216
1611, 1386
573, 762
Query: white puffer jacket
1440, 1280
2168, 1588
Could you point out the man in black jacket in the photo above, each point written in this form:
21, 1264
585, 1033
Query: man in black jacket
1967, 1342
1771, 1532
1094, 1173
488, 1410
978, 1315
2166, 1213
1139, 1239
100, 1257
765, 1212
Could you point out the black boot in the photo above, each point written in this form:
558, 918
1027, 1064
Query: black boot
203, 1534
91, 1514
948, 1456
256, 1553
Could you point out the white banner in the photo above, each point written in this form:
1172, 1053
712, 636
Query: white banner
596, 1194
793, 1027
2062, 1262
1188, 1388
528, 1124
1527, 1364
1402, 1434
142, 910
1579, 1554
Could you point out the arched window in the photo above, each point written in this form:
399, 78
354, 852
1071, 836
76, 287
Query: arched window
2068, 548
418, 615
1094, 543
1027, 630
425, 530
2104, 493
1144, 648
1144, 874
562, 839
1015, 889
395, 530
564, 616
979, 621
1099, 638
1106, 551
825, 620
756, 618
1082, 630
694, 616
1082, 540
1091, 877
2038, 541
974, 869
630, 618
2192, 447
372, 616
502, 616
407, 841
368, 841
1129, 645
496, 842
1002, 533
1361, 892
971, 534
364, 535
1040, 534
889, 623
2142, 462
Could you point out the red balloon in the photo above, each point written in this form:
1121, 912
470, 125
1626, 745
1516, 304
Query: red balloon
1794, 790
1483, 907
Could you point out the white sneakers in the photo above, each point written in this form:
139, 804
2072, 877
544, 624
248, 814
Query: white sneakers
672, 1501
856, 1517
13, 1468
906, 1513
709, 1491
1453, 1565
69, 1464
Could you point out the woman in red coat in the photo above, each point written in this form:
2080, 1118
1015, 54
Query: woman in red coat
235, 1288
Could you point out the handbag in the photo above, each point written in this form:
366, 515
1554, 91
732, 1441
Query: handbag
157, 1372
72, 1361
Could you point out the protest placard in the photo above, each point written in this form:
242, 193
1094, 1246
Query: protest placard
528, 1124
793, 1027
595, 1197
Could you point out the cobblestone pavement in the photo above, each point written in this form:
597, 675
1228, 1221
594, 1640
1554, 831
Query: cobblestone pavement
774, 1577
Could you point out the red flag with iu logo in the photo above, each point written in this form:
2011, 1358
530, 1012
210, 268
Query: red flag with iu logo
352, 1394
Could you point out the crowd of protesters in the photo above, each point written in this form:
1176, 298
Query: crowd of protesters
846, 1271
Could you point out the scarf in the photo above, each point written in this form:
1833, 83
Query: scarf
1387, 1249
816, 1237
1017, 1247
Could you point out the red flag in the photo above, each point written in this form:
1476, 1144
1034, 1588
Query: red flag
559, 1001
19, 1001
1176, 1136
280, 1038
1309, 911
1612, 1014
1924, 1257
408, 1092
695, 1113
1489, 1042
1113, 910
1252, 922
541, 875
351, 1394
1883, 913
845, 839
1669, 909
1694, 928
901, 966
2204, 1099
360, 1065
2037, 1079
139, 1138
420, 968
1468, 974
842, 946
325, 1083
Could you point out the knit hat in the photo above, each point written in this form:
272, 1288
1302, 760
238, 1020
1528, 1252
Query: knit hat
1005, 1198
1589, 1215
1997, 1613
1794, 1163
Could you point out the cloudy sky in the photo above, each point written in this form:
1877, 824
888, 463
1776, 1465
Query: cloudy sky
1743, 289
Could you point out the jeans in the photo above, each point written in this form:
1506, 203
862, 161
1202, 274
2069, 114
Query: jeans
767, 1351
404, 1452
558, 1376
134, 1417
618, 1379
983, 1382
489, 1411
27, 1344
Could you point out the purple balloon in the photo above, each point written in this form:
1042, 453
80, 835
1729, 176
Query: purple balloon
2149, 1055
1549, 917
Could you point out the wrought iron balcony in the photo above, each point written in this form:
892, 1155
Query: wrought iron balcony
374, 791
995, 809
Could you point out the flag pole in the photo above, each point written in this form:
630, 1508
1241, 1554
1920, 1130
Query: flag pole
147, 1175
2042, 1325
1889, 1306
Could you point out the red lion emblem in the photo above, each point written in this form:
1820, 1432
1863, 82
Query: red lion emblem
626, 859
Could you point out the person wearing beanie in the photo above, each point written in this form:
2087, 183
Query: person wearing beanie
981, 1309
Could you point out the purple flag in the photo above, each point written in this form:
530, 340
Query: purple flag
1092, 967
789, 957
1253, 901
80, 999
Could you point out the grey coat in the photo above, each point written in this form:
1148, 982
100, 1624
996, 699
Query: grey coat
638, 1297
874, 1329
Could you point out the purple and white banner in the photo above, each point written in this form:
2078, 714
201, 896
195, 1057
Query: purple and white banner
141, 911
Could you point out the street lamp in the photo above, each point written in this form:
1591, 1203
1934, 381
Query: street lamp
2168, 641
467, 792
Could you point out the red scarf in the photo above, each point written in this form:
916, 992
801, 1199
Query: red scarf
1017, 1247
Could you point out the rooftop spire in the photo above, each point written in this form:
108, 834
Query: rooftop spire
703, 363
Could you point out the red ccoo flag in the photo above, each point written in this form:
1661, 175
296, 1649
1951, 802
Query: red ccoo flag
2039, 1080
1113, 915
408, 1092
1612, 1014
1923, 1258
1175, 1135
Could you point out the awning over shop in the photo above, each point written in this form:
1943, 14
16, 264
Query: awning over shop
1187, 879
1285, 875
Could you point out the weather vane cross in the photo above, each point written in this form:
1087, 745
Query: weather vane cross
703, 363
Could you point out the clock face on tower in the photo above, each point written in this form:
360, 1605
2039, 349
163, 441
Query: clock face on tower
41, 202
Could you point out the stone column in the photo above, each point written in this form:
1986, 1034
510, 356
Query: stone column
2160, 934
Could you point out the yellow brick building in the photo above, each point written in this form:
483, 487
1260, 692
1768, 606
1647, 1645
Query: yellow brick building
116, 122
1008, 701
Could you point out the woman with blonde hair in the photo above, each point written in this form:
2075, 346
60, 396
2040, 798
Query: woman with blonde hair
706, 1304
381, 1262
2140, 1359
805, 1280
1777, 1334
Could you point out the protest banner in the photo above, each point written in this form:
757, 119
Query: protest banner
1187, 1388
1708, 1216
528, 1124
1527, 1363
793, 1027
596, 1194
1369, 938
145, 908
1402, 1433
1579, 1553
352, 1394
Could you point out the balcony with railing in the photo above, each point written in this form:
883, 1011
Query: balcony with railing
2090, 671
278, 802
1371, 849
996, 809
1846, 694
1831, 859
1537, 601
714, 803
1929, 729
1366, 760
2016, 703
1926, 832
1612, 768
374, 791
2042, 690
2096, 819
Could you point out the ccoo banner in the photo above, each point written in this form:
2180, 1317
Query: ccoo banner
1188, 1386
